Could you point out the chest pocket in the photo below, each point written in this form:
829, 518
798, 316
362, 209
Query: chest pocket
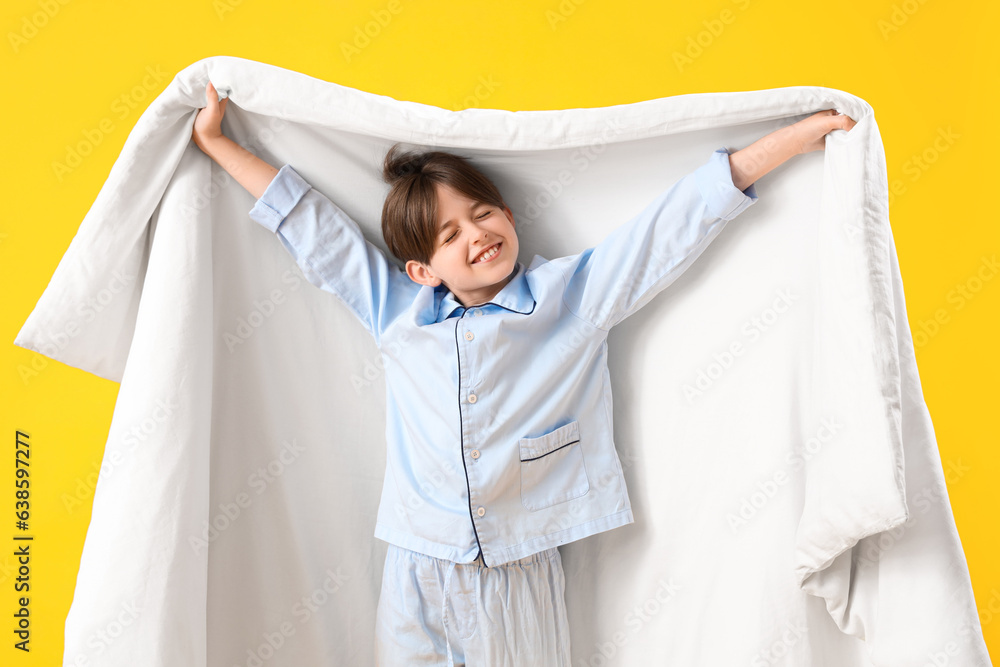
552, 468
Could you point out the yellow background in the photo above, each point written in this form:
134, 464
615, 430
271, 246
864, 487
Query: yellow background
927, 67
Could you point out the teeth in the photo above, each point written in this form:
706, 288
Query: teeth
489, 253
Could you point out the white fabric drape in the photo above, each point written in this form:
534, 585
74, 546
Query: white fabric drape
790, 501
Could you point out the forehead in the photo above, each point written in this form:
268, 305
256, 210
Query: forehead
451, 203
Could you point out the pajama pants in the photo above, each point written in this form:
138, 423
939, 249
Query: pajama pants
435, 612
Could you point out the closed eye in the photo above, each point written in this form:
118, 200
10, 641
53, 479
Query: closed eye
480, 216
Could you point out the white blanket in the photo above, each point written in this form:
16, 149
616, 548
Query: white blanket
790, 501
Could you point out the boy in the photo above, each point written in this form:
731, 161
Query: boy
499, 442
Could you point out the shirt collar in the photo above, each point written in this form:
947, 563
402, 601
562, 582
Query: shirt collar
515, 296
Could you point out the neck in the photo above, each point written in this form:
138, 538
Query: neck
471, 300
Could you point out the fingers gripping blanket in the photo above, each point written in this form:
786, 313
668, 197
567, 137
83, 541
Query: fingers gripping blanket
789, 500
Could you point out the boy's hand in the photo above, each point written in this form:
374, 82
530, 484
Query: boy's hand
208, 122
810, 133
249, 170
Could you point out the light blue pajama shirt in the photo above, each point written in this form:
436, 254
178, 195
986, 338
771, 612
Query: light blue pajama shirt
499, 429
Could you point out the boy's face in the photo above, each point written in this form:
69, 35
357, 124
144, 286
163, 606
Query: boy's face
465, 229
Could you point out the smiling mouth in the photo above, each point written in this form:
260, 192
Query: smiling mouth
488, 254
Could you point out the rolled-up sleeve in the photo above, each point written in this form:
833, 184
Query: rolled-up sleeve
715, 181
607, 283
279, 198
332, 252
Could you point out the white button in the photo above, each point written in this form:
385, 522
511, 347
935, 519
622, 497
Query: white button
472, 398
478, 312
475, 453
481, 511
469, 335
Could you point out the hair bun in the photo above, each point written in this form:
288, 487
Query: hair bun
400, 163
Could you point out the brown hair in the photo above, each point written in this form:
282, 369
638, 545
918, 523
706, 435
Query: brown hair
409, 214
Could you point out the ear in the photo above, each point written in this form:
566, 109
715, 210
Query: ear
421, 273
510, 216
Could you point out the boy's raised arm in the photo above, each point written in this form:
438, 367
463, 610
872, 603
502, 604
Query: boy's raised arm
249, 170
807, 135
640, 258
323, 240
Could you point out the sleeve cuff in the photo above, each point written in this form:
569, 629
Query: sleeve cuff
279, 198
715, 181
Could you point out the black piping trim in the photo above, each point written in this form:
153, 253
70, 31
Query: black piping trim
461, 436
554, 450
494, 303
520, 312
